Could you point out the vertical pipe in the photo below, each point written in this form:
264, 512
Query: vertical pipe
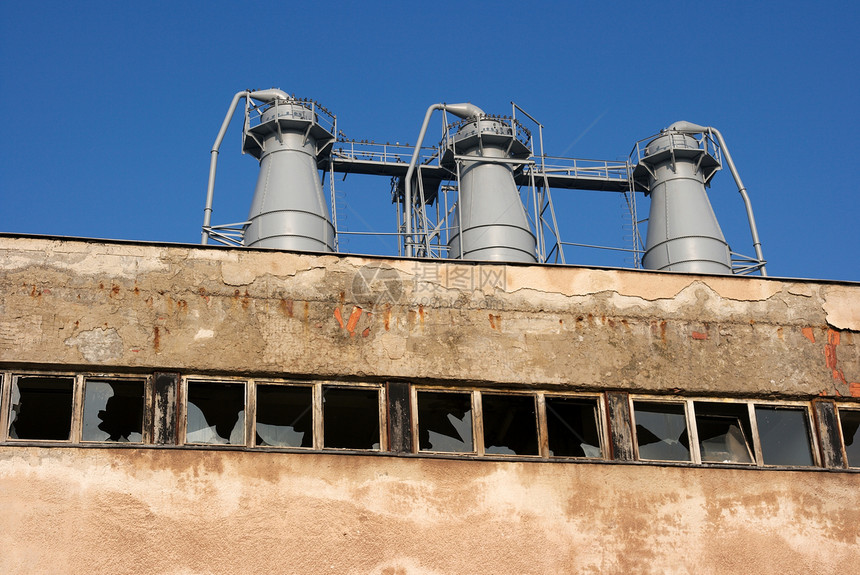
213, 162
465, 110
407, 196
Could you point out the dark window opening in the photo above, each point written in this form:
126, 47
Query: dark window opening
445, 421
725, 435
113, 411
41, 408
351, 417
510, 424
285, 416
661, 431
216, 413
851, 433
784, 435
573, 427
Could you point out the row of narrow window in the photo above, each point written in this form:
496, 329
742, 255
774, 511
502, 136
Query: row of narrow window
454, 421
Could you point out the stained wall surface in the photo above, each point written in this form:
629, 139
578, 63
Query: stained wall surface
102, 306
250, 311
130, 511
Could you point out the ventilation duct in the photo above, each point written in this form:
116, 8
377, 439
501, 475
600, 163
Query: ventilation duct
289, 210
491, 222
683, 232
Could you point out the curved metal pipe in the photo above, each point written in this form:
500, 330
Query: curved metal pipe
269, 95
743, 191
690, 128
261, 95
464, 110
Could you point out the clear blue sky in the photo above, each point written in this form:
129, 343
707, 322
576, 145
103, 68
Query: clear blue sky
112, 107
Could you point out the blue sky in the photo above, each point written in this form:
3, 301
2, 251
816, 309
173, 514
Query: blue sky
111, 108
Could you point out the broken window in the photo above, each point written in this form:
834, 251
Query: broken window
113, 410
572, 426
285, 415
351, 417
850, 421
41, 408
661, 431
784, 435
445, 421
724, 432
216, 413
510, 424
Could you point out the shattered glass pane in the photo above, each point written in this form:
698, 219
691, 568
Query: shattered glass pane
510, 424
784, 435
572, 427
724, 432
41, 408
216, 413
351, 417
445, 421
851, 434
285, 415
113, 411
661, 431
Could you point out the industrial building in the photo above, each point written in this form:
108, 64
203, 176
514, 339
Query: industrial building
473, 404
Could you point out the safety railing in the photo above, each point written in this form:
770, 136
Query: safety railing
315, 112
584, 168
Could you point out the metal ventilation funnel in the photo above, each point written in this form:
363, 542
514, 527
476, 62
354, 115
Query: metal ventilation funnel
490, 222
683, 232
289, 210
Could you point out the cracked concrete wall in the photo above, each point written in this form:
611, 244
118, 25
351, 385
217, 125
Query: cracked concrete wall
130, 511
236, 311
100, 305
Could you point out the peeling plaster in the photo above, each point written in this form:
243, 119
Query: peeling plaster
97, 345
261, 310
842, 306
204, 334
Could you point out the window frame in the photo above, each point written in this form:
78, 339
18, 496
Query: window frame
811, 433
315, 416
476, 429
9, 377
146, 420
692, 434
182, 411
319, 422
478, 437
755, 443
602, 424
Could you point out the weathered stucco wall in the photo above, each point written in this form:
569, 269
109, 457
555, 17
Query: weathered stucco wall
192, 309
89, 305
179, 511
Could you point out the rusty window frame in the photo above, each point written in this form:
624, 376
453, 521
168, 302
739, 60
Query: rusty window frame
602, 426
251, 411
692, 436
316, 441
319, 423
146, 433
476, 395
477, 430
853, 408
811, 431
182, 410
